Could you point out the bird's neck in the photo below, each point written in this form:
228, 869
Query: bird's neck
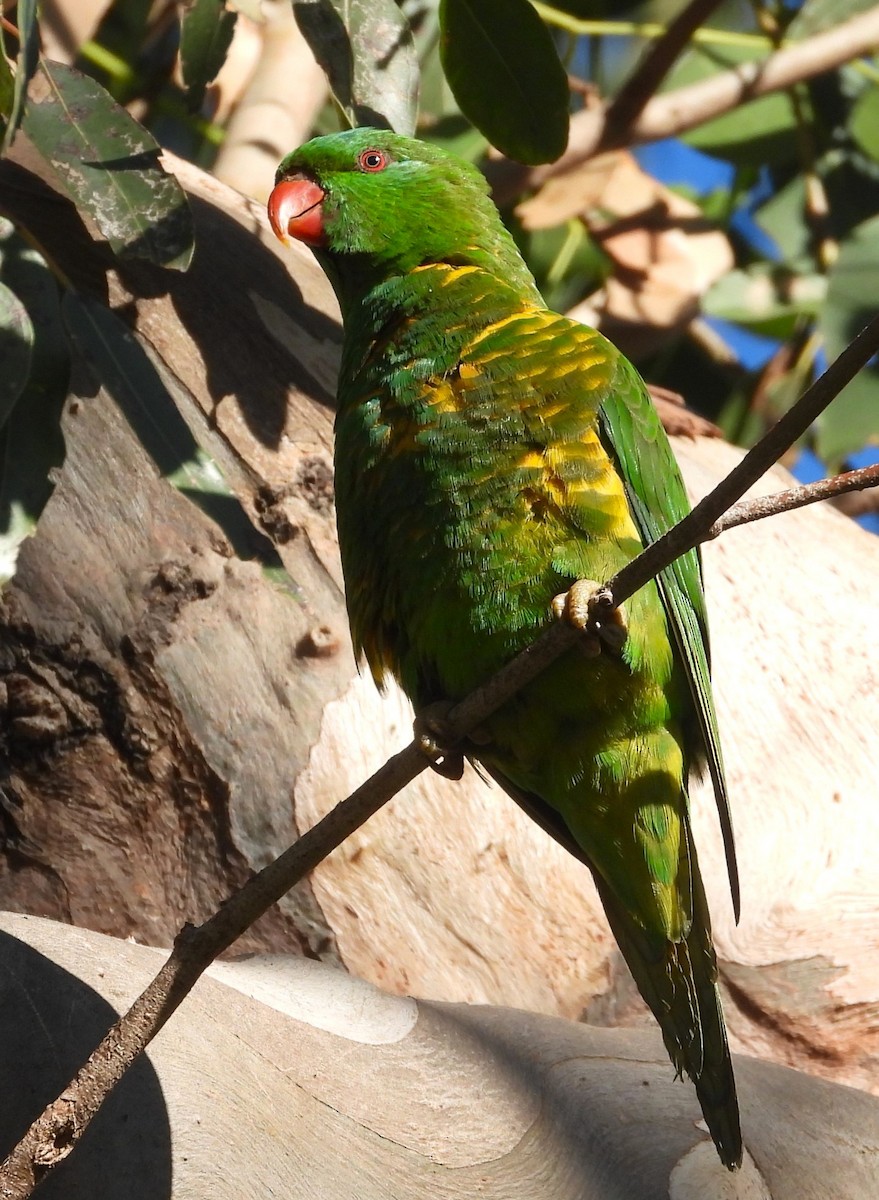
365, 285
436, 308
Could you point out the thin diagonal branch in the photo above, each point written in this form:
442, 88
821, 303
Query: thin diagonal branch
55, 1133
653, 67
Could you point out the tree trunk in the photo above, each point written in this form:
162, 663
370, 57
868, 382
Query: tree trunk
282, 1077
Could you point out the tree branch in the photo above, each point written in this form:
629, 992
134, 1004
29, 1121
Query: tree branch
55, 1133
675, 112
747, 511
630, 100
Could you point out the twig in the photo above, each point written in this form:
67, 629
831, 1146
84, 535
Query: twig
857, 504
54, 1134
675, 112
817, 206
747, 511
653, 67
595, 27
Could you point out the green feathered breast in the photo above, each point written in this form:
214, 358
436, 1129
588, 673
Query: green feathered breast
489, 453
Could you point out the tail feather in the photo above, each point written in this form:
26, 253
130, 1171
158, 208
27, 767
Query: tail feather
678, 982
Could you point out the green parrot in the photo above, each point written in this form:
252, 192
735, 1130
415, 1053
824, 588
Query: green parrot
490, 453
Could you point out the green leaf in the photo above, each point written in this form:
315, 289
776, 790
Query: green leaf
853, 287
28, 55
118, 360
766, 298
851, 422
853, 418
108, 163
367, 51
206, 33
864, 122
437, 101
31, 442
851, 179
503, 69
16, 348
565, 261
783, 217
762, 131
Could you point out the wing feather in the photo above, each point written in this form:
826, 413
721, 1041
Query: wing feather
635, 437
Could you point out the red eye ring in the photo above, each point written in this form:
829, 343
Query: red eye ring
372, 160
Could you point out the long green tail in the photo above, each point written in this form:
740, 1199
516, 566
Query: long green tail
678, 982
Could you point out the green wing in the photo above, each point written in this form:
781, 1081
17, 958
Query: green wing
637, 440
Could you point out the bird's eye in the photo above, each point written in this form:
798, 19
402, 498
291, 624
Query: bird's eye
372, 160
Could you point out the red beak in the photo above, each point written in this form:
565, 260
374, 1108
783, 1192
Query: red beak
295, 212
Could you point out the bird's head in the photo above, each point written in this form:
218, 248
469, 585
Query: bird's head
372, 203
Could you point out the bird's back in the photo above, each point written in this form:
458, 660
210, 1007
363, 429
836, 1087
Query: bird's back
471, 474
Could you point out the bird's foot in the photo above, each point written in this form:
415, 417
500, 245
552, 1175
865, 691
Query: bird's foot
589, 608
437, 742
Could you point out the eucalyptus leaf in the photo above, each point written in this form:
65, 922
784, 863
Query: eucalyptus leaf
503, 69
853, 287
206, 31
109, 165
853, 417
28, 56
783, 217
864, 121
119, 362
851, 180
851, 422
16, 349
436, 99
456, 135
766, 298
367, 52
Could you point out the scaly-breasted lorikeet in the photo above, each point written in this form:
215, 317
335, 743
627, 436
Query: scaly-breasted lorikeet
489, 453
